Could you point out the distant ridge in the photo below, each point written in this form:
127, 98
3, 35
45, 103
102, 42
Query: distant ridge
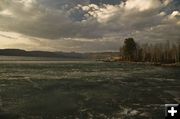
19, 52
64, 55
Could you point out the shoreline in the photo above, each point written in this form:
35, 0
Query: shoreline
156, 64
149, 63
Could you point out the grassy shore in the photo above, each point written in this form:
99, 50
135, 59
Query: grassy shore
154, 63
147, 63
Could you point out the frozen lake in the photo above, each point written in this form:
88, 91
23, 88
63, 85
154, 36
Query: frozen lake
85, 90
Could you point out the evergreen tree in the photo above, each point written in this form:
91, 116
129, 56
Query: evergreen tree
129, 49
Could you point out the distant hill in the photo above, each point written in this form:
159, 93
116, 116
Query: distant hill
19, 52
69, 55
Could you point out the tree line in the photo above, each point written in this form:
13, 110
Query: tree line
157, 53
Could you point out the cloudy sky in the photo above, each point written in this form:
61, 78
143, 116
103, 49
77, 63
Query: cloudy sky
86, 25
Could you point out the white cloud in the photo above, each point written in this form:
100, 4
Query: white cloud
142, 5
174, 17
175, 14
162, 13
105, 13
166, 2
126, 9
6, 12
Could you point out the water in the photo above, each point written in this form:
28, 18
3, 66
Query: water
85, 90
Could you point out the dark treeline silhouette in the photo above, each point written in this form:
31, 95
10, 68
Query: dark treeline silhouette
157, 53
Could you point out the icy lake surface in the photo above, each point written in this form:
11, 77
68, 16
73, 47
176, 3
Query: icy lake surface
85, 90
